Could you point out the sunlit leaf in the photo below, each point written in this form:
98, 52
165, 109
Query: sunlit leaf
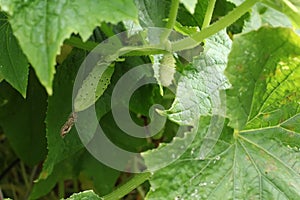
258, 156
42, 26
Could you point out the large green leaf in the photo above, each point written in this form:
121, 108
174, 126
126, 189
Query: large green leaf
42, 26
13, 63
59, 109
22, 120
203, 80
187, 177
259, 157
264, 77
263, 107
197, 95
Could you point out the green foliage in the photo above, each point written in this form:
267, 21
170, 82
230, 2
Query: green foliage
289, 7
267, 80
22, 120
257, 154
233, 117
153, 12
59, 108
42, 26
14, 65
264, 15
202, 82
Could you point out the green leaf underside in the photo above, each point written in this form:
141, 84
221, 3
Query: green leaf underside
260, 159
190, 5
48, 24
14, 66
199, 86
290, 8
263, 15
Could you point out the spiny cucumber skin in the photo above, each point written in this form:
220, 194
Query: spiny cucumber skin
167, 70
93, 87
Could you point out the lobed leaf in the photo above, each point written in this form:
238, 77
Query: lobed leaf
266, 79
259, 157
59, 108
199, 86
42, 26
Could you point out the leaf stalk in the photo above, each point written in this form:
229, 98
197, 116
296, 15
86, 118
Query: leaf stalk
224, 22
123, 190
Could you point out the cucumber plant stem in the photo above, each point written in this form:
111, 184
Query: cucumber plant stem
208, 14
227, 20
186, 43
123, 190
171, 21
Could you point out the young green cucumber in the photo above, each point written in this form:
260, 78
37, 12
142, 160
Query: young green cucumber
93, 87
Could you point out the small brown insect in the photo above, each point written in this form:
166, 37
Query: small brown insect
68, 125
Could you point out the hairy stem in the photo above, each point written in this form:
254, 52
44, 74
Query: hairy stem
227, 20
208, 14
133, 183
171, 20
